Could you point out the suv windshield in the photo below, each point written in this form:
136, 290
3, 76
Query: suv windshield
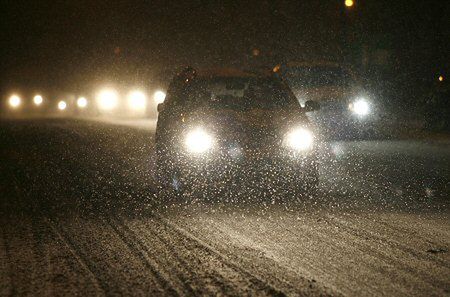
317, 76
239, 93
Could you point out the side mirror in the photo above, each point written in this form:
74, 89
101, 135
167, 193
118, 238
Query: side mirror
160, 107
311, 106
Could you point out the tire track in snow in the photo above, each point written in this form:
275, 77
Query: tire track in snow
260, 284
101, 285
406, 273
208, 274
136, 247
364, 233
322, 267
423, 276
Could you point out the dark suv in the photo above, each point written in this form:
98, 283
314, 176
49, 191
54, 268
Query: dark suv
228, 128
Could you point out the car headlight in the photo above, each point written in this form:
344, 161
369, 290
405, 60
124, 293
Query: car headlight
159, 96
137, 101
300, 139
14, 101
62, 105
198, 141
38, 100
360, 107
107, 100
82, 102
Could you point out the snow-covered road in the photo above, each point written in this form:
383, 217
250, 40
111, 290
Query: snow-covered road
80, 216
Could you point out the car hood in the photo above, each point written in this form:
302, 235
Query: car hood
257, 118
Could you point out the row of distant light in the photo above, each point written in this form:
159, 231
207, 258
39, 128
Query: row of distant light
107, 100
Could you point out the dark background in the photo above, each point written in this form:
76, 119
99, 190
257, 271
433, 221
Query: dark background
398, 47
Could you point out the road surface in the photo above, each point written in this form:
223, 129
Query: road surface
80, 216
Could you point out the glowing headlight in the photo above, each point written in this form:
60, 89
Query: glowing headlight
198, 141
360, 107
82, 102
38, 100
62, 105
14, 101
300, 139
159, 96
107, 100
137, 100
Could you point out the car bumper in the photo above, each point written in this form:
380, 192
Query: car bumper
255, 171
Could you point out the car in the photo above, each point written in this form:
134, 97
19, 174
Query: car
347, 110
227, 128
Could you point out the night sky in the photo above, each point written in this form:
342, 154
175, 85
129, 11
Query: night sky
72, 45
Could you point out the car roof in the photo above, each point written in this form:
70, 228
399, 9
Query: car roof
230, 73
313, 63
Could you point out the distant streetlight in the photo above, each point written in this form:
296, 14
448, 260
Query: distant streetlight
38, 100
256, 52
349, 3
441, 78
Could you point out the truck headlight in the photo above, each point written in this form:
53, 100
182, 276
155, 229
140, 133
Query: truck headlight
360, 107
198, 141
299, 139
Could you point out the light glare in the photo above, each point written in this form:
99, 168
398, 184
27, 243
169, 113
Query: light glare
62, 105
82, 102
38, 100
159, 96
300, 139
14, 101
349, 3
360, 107
107, 99
198, 141
137, 100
